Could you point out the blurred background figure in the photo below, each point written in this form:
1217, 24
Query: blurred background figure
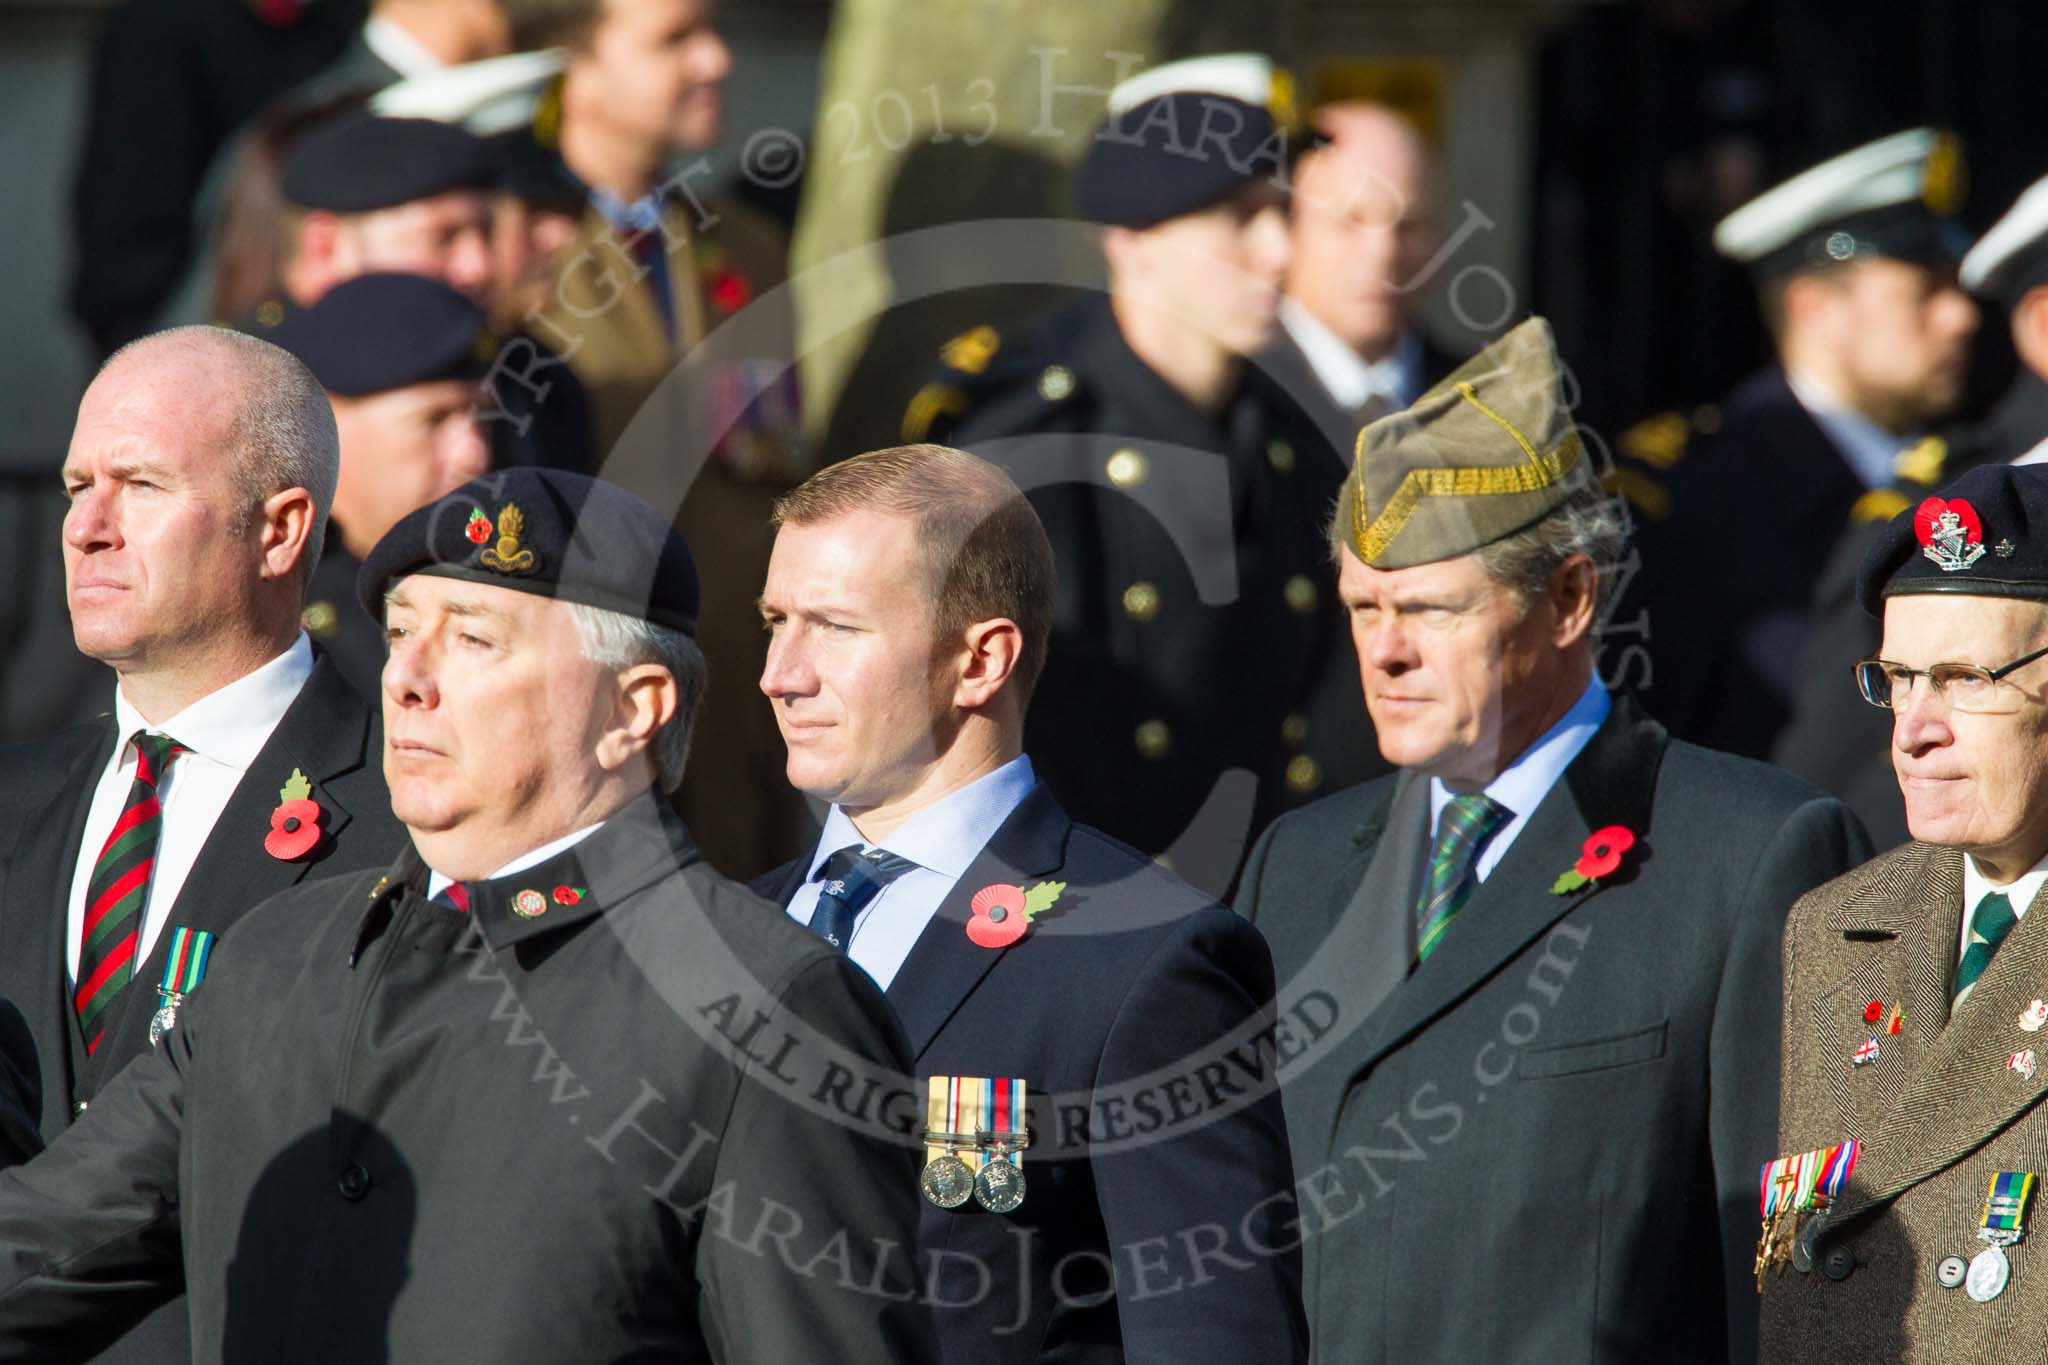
1847, 749
399, 357
657, 267
1855, 263
407, 38
1184, 491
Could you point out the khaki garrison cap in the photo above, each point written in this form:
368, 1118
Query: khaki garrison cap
1491, 449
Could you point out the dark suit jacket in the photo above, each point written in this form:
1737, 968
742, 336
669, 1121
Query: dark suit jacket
1110, 1009
1939, 1113
329, 733
1541, 1145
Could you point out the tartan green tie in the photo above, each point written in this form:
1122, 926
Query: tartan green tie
1461, 832
1988, 927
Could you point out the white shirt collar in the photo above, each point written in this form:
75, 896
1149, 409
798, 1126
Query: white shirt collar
2022, 892
436, 883
947, 835
1524, 783
1869, 448
399, 50
1350, 377
231, 724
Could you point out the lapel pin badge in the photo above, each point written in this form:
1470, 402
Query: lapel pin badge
1873, 1011
295, 824
1866, 1052
529, 904
2023, 1062
2033, 1016
1898, 1020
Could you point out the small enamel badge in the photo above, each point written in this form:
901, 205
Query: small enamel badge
2023, 1062
1000, 912
478, 527
2033, 1016
569, 895
1950, 533
529, 903
1865, 1053
1898, 1020
1873, 1011
295, 824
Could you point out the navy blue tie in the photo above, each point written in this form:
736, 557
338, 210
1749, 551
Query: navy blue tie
852, 879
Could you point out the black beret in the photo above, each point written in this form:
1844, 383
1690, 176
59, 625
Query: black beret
1985, 534
360, 162
379, 332
1177, 153
547, 532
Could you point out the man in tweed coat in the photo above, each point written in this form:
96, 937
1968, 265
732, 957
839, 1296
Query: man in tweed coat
1914, 985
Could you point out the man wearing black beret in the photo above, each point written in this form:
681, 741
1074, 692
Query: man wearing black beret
543, 1090
400, 357
1183, 489
1914, 985
371, 194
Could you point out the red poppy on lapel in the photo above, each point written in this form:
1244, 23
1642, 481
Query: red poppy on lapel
1000, 912
1599, 857
295, 824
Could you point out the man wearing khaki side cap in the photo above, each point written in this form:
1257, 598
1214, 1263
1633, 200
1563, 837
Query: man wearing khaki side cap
1543, 956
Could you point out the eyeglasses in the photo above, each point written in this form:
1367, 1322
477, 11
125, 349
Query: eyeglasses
1964, 687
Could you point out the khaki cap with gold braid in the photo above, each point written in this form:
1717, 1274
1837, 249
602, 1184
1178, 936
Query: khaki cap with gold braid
1491, 449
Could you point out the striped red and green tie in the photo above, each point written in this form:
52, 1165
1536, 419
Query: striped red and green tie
1461, 832
119, 885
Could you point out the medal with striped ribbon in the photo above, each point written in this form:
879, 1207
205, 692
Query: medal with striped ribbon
1805, 1182
2005, 1223
999, 1186
184, 969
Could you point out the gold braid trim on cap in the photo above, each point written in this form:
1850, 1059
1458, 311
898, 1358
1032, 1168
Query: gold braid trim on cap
1371, 536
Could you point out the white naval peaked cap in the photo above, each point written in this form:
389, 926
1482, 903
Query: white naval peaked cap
493, 96
1891, 197
1246, 76
2008, 251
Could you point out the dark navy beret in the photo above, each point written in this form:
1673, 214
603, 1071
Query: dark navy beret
1985, 534
1177, 153
547, 532
359, 162
379, 332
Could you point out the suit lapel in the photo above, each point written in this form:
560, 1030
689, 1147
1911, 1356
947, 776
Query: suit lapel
324, 734
1609, 783
1963, 1091
945, 965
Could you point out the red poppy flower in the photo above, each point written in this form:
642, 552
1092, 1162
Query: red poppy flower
1873, 1011
1927, 518
730, 292
1602, 852
477, 528
294, 829
568, 895
997, 917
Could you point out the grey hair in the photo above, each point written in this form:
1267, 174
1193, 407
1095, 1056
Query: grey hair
612, 639
282, 432
1589, 522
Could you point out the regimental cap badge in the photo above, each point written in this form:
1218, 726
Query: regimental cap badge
507, 556
1950, 533
1944, 178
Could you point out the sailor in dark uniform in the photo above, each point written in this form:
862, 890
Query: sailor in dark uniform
1182, 487
1855, 263
1847, 749
400, 357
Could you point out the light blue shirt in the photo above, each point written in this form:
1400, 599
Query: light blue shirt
942, 839
1523, 784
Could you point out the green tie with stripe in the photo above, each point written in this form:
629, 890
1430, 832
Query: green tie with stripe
1988, 927
1461, 833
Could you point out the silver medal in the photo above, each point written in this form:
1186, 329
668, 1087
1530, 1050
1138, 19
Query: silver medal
1989, 1272
161, 1023
947, 1182
1000, 1186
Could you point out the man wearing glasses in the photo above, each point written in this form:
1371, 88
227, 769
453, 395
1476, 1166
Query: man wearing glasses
1915, 985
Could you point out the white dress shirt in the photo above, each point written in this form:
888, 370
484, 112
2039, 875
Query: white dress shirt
224, 732
1523, 784
1976, 886
436, 883
942, 839
1349, 376
1870, 449
399, 50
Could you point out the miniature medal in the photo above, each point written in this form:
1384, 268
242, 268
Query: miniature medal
184, 969
2005, 1223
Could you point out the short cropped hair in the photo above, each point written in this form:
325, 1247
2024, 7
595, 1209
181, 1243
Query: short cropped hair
612, 639
281, 434
985, 551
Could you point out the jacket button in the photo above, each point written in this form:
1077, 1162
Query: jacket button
1952, 1271
1280, 455
1153, 739
1127, 468
1300, 592
1141, 601
1837, 1264
354, 1182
